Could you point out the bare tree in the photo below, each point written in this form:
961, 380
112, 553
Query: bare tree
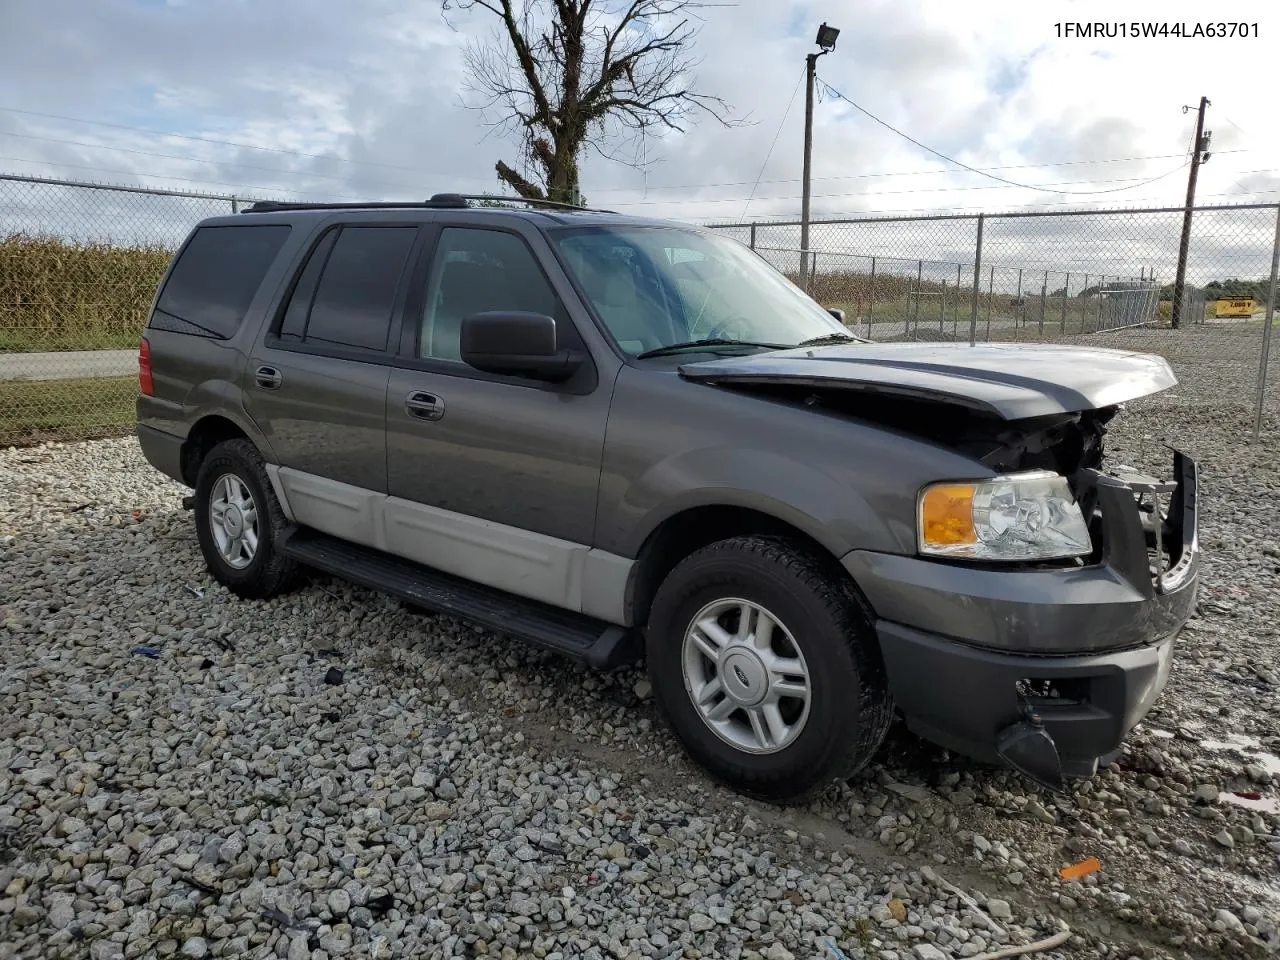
565, 74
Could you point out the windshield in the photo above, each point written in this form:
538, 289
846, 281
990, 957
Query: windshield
656, 287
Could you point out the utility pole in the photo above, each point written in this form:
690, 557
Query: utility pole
827, 41
1199, 155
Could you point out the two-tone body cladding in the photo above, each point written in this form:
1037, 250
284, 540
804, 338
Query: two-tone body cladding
616, 437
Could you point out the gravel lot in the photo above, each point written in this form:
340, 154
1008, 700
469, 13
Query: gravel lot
329, 774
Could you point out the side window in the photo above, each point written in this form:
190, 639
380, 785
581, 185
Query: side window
475, 271
347, 290
294, 323
215, 279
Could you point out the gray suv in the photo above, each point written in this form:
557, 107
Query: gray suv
619, 438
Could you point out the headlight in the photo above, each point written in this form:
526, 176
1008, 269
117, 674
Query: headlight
1019, 516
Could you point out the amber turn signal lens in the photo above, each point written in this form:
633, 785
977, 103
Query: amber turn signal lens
946, 515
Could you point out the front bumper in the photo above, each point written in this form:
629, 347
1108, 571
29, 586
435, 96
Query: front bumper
963, 698
970, 651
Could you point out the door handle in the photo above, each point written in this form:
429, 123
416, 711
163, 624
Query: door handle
268, 378
424, 406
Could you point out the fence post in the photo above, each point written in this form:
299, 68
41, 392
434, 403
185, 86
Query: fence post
1066, 286
235, 204
977, 283
955, 307
991, 289
1084, 290
752, 242
1044, 301
1266, 330
916, 311
1102, 282
1020, 318
942, 307
871, 299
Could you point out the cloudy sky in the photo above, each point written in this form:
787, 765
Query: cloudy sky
358, 99
363, 98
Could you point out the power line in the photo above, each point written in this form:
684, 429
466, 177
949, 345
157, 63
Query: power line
1137, 206
781, 123
1234, 124
918, 173
982, 173
756, 183
879, 193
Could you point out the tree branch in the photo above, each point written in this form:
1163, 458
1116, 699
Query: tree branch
583, 71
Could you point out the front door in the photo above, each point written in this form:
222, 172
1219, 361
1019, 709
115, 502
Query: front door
492, 478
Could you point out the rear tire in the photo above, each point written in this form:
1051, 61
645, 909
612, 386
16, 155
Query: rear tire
807, 666
239, 522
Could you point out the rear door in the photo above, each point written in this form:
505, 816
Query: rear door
317, 382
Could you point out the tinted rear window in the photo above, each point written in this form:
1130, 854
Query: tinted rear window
216, 277
356, 279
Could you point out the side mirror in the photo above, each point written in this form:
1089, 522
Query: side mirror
516, 343
837, 313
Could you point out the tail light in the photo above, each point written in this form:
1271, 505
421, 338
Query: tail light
145, 383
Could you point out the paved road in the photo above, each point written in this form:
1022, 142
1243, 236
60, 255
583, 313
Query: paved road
68, 365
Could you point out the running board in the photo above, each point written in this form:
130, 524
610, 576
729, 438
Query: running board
601, 645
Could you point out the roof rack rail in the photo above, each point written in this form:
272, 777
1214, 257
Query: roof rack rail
439, 201
530, 201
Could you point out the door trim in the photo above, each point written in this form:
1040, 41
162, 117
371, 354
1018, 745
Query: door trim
565, 574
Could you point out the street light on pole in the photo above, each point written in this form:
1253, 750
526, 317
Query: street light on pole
826, 41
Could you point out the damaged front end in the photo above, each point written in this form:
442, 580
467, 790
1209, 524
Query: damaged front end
1145, 530
1049, 664
1040, 654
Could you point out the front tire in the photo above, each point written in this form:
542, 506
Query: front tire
239, 522
764, 661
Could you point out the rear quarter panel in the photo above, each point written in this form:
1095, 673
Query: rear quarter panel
198, 376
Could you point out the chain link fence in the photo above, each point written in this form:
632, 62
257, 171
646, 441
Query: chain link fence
79, 264
1104, 278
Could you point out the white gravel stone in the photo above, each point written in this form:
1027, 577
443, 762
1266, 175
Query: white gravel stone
457, 785
339, 903
999, 909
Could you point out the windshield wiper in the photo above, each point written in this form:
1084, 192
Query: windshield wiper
828, 338
706, 342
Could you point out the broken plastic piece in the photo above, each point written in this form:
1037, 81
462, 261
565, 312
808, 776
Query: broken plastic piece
152, 652
1078, 871
1029, 749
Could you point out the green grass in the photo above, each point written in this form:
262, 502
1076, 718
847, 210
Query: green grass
32, 411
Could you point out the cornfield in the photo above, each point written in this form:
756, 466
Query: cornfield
60, 295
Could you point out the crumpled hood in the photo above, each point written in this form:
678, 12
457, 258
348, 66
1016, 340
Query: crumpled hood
1010, 380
